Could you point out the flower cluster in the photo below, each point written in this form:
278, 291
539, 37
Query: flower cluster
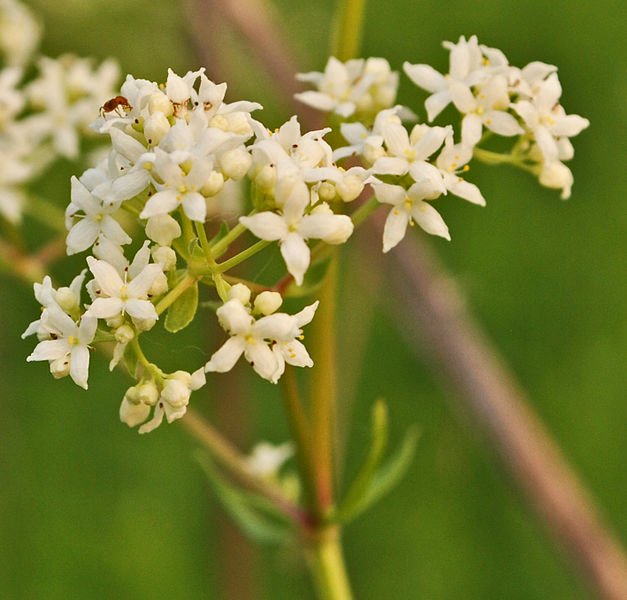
498, 98
177, 148
43, 118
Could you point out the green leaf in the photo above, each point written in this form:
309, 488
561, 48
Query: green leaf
244, 507
389, 474
360, 486
182, 310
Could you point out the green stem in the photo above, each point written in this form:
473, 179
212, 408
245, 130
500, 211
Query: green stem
204, 244
300, 429
364, 211
348, 30
327, 564
175, 292
231, 459
222, 244
324, 389
242, 256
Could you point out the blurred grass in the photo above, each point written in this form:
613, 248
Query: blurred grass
89, 509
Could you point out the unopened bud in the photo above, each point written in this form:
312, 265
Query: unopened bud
176, 393
60, 367
147, 393
160, 103
163, 229
144, 324
235, 163
268, 302
326, 191
159, 285
349, 187
155, 128
165, 256
124, 334
67, 299
266, 178
133, 414
240, 292
213, 185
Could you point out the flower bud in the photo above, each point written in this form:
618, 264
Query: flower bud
163, 229
266, 178
124, 334
60, 367
67, 299
349, 187
268, 302
372, 152
132, 394
240, 292
159, 286
559, 176
213, 185
133, 414
155, 128
159, 102
176, 393
326, 191
147, 393
220, 122
115, 322
165, 256
235, 163
238, 123
144, 324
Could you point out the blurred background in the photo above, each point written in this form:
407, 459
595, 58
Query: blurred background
89, 509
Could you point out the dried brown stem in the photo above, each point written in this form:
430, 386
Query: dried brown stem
434, 310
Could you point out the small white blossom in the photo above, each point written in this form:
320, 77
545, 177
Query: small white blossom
293, 227
409, 206
67, 348
116, 296
252, 338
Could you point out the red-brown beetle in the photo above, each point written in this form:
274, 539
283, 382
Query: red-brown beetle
114, 104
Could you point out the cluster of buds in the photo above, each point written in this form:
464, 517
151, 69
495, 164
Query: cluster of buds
175, 148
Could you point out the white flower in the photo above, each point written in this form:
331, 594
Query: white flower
293, 351
547, 120
355, 86
115, 296
46, 295
409, 206
466, 67
94, 222
68, 346
487, 107
557, 175
452, 161
409, 154
179, 188
252, 337
266, 459
293, 227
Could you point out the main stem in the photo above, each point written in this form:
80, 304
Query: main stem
327, 564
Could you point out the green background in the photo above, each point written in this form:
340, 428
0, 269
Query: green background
89, 509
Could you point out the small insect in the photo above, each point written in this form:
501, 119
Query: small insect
114, 104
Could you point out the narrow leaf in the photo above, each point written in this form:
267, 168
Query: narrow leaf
240, 506
182, 310
130, 360
387, 476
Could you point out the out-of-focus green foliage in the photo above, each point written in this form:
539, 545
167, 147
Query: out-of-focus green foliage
88, 509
